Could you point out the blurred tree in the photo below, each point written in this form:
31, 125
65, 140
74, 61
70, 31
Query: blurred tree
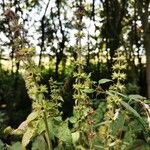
108, 25
114, 12
144, 11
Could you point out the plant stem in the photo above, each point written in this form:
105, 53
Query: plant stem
47, 132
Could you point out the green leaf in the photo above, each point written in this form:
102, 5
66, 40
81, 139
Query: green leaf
99, 113
29, 134
32, 116
128, 137
57, 120
118, 93
88, 91
8, 130
63, 133
16, 146
80, 147
136, 97
139, 145
75, 137
1, 145
39, 144
102, 81
85, 112
118, 124
135, 113
41, 127
21, 129
73, 119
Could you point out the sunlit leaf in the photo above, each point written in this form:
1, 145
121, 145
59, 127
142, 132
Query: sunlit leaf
89, 91
102, 81
8, 130
28, 136
21, 129
73, 119
32, 116
75, 136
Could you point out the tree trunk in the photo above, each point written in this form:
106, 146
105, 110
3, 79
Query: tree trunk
144, 5
147, 49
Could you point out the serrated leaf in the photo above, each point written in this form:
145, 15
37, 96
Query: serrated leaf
40, 126
73, 119
18, 132
75, 137
102, 81
32, 116
85, 111
29, 134
21, 129
57, 120
63, 133
134, 112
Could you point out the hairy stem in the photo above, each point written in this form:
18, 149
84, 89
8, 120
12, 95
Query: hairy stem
48, 138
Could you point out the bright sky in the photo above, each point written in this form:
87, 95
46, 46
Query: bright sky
35, 16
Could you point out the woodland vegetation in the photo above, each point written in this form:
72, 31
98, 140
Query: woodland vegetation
74, 75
